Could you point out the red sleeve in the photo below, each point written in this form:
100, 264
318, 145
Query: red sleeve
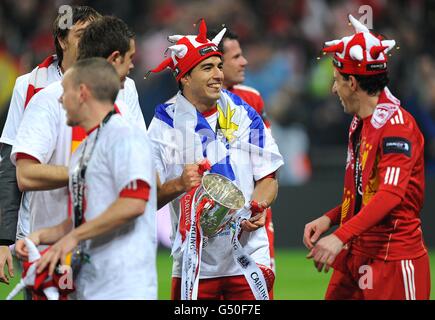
138, 189
334, 215
400, 148
379, 206
21, 156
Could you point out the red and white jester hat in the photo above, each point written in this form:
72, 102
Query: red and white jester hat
190, 50
362, 53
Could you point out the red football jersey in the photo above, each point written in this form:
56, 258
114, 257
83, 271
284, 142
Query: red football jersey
399, 169
253, 98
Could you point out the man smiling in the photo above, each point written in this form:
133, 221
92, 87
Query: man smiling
215, 124
379, 218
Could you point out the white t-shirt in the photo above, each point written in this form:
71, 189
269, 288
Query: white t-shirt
217, 256
44, 134
123, 262
16, 107
10, 129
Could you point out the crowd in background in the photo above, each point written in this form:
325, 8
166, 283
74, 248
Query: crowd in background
281, 39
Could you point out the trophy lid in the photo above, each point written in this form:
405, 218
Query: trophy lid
223, 191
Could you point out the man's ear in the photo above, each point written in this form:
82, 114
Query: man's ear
115, 57
84, 93
353, 83
62, 42
185, 80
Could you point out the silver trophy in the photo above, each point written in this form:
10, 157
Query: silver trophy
217, 199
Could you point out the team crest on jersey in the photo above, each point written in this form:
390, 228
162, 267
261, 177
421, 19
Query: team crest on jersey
382, 114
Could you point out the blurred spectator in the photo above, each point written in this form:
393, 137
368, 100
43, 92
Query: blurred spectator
422, 104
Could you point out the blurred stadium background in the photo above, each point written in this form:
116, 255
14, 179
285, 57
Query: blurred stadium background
281, 40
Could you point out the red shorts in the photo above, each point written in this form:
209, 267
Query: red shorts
224, 288
365, 278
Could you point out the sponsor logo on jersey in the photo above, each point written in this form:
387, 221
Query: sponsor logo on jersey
396, 145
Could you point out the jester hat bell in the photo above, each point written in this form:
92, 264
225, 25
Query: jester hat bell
190, 50
362, 53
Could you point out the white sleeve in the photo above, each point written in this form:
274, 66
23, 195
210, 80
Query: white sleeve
268, 160
129, 159
38, 131
16, 110
155, 134
132, 100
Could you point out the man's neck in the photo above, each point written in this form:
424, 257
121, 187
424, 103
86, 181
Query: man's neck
65, 65
368, 105
99, 111
229, 86
200, 106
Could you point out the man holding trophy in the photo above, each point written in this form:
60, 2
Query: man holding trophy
220, 246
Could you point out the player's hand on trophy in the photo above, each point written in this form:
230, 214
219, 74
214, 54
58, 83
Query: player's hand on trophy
6, 259
258, 217
190, 178
20, 247
314, 230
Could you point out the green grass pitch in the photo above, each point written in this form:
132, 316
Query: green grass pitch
296, 277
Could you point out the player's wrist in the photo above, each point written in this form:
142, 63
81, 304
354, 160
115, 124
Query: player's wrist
343, 235
327, 221
180, 186
76, 235
259, 206
35, 237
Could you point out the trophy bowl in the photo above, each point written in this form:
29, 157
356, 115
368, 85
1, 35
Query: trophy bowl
226, 197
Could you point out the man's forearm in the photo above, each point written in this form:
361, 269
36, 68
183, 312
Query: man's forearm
119, 213
53, 234
168, 191
10, 197
34, 176
265, 190
382, 203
